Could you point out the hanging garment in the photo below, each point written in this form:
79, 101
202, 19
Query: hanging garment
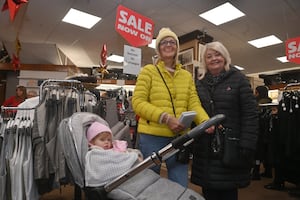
39, 150
111, 112
15, 167
31, 192
288, 119
3, 172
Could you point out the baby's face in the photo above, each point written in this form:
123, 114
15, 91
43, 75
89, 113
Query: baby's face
103, 140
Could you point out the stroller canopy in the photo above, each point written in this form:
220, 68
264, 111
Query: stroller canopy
71, 133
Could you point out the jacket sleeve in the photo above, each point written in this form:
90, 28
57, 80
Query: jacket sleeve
195, 104
141, 95
249, 116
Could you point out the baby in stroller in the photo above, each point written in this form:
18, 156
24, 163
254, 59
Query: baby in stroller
84, 161
105, 153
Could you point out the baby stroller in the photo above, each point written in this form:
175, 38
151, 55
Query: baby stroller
136, 184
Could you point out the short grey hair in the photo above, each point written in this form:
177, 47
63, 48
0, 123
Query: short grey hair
217, 46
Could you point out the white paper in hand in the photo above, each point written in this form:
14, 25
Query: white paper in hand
186, 118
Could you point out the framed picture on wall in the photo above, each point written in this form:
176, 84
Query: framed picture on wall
189, 68
200, 48
186, 57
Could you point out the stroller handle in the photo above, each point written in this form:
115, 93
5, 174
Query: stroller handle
197, 131
157, 157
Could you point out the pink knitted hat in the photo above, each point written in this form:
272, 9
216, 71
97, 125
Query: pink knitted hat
95, 129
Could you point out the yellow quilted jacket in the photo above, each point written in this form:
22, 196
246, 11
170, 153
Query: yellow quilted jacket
151, 98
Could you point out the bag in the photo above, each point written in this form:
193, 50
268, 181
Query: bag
183, 155
232, 156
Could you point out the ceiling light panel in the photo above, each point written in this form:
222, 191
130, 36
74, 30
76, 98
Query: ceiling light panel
265, 41
116, 58
282, 59
239, 68
222, 14
81, 19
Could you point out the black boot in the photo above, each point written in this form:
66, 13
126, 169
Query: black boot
255, 173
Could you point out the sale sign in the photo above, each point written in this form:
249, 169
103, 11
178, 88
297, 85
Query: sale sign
136, 29
292, 50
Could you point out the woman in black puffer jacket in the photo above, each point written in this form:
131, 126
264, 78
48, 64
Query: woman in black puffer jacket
225, 90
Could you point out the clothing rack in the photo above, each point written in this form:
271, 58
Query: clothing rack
39, 139
54, 83
4, 108
50, 83
6, 115
288, 140
292, 85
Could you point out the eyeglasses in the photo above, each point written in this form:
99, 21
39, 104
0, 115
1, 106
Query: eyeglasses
168, 42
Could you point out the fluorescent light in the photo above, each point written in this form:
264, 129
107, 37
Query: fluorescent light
152, 45
116, 58
265, 41
239, 68
282, 59
222, 14
81, 19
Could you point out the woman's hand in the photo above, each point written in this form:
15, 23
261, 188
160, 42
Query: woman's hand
174, 124
210, 130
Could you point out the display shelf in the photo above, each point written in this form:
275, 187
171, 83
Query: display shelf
117, 82
189, 57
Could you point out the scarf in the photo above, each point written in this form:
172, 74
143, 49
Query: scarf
214, 80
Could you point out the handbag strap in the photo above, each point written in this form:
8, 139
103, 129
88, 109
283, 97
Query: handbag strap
168, 90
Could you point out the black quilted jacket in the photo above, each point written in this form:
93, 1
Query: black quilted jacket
231, 95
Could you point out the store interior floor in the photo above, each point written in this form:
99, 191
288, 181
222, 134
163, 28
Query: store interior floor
255, 191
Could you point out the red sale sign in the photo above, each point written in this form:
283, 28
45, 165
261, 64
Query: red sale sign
292, 50
136, 29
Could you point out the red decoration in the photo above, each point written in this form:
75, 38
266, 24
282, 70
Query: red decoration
13, 6
16, 58
103, 65
16, 62
18, 46
103, 55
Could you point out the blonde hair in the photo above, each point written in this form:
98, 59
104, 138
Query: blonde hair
219, 47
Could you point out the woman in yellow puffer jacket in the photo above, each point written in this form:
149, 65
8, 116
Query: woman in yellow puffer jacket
163, 91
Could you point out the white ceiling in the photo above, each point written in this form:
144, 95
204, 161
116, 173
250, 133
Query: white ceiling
41, 31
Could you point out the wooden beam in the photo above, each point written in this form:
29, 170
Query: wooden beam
39, 67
